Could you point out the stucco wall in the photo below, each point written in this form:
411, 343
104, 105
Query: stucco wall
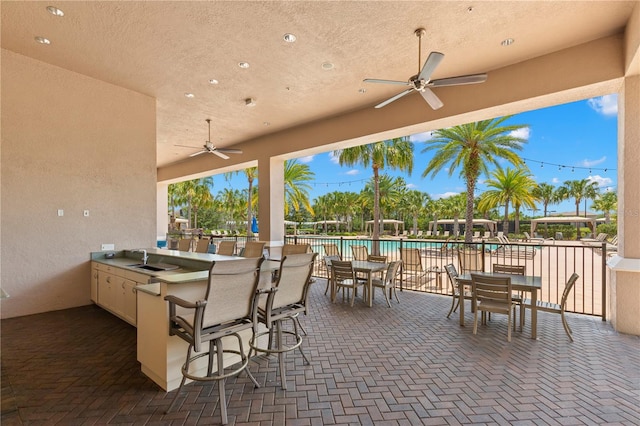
74, 143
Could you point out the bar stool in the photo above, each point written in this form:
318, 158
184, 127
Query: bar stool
226, 309
287, 298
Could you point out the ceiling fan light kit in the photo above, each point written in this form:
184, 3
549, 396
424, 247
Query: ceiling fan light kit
422, 82
208, 147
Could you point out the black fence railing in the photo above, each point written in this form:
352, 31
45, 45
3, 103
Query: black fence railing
553, 262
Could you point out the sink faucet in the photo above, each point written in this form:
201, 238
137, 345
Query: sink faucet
145, 258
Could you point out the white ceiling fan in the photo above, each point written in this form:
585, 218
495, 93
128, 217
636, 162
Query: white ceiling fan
210, 148
421, 82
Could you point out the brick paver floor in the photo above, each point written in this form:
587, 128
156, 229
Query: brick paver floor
405, 365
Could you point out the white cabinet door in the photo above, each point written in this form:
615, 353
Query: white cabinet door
129, 306
105, 290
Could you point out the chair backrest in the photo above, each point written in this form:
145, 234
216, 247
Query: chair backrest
527, 237
331, 250
202, 246
614, 240
184, 244
293, 280
230, 290
470, 260
376, 258
428, 234
492, 289
452, 273
342, 270
227, 248
487, 234
295, 249
476, 234
567, 289
500, 268
392, 273
411, 259
445, 234
253, 249
359, 252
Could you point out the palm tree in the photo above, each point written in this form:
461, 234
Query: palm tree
606, 203
578, 190
296, 186
415, 202
252, 174
396, 154
322, 207
201, 199
454, 206
190, 193
546, 194
509, 186
472, 148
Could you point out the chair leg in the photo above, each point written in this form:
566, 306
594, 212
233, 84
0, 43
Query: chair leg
395, 293
475, 321
295, 330
221, 388
297, 319
386, 296
567, 329
353, 295
245, 358
453, 305
279, 342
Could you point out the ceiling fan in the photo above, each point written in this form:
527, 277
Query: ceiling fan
210, 148
421, 82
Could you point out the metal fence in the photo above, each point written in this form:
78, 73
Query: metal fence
554, 262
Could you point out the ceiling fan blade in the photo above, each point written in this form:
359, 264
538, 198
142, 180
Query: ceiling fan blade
396, 97
376, 80
197, 153
229, 150
188, 146
219, 154
455, 81
431, 98
430, 65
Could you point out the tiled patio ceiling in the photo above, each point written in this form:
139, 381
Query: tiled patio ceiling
407, 365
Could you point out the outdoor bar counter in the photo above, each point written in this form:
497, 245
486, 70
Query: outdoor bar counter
161, 356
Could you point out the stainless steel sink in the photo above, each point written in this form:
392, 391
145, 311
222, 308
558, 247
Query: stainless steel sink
155, 267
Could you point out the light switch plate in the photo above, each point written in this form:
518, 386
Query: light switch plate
60, 212
108, 247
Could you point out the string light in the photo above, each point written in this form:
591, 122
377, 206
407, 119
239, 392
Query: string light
348, 182
562, 166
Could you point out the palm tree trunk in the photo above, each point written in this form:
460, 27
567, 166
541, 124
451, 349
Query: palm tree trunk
505, 221
375, 244
468, 217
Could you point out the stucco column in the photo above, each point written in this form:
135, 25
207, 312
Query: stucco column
162, 212
624, 277
271, 202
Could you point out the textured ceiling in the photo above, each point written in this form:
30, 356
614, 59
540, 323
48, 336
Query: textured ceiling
167, 49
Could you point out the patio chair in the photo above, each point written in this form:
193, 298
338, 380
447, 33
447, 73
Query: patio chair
492, 295
517, 299
419, 234
412, 268
226, 309
470, 260
202, 246
455, 293
227, 248
388, 283
295, 249
486, 235
327, 264
184, 244
428, 234
600, 238
476, 236
331, 250
253, 249
286, 300
445, 234
359, 252
345, 279
554, 307
539, 240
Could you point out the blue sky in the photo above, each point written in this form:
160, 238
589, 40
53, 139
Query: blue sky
565, 142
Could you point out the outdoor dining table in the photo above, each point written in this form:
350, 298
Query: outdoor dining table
526, 283
367, 268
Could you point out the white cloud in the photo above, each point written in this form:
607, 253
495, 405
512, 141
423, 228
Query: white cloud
420, 137
523, 133
411, 186
353, 172
334, 158
591, 163
555, 180
307, 159
601, 181
605, 105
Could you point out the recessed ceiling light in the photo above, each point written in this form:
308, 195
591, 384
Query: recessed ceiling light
470, 9
243, 64
213, 81
189, 95
266, 123
43, 40
250, 102
289, 38
327, 66
55, 11
507, 42
362, 90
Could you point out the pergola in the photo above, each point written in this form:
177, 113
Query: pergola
489, 224
335, 223
393, 222
590, 221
